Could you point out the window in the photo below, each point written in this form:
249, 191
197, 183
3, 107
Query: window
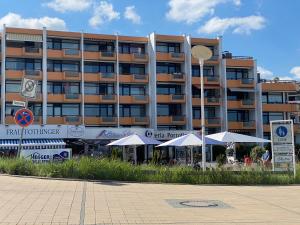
169, 110
235, 96
12, 86
128, 48
237, 74
168, 68
99, 89
22, 44
58, 44
99, 46
272, 98
131, 89
36, 108
61, 66
168, 89
168, 47
132, 110
23, 64
208, 71
238, 115
210, 112
63, 87
269, 116
126, 68
102, 110
95, 67
63, 110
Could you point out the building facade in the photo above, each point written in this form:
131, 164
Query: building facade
95, 82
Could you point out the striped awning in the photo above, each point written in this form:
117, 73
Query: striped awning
24, 37
32, 142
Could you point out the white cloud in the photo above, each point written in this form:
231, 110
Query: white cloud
103, 13
191, 11
15, 20
269, 75
240, 25
296, 71
69, 5
131, 14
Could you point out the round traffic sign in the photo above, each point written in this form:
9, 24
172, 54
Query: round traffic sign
24, 117
281, 131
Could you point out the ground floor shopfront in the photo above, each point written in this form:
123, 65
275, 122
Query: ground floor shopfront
93, 141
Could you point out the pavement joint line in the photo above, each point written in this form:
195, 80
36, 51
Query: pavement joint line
82, 210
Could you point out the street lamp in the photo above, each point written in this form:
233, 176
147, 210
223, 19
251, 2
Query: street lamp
202, 53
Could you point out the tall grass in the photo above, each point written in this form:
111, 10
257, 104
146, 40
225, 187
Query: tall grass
105, 169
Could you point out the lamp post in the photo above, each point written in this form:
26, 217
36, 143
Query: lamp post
202, 53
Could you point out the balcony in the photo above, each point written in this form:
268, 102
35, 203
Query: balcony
24, 52
133, 78
241, 61
214, 60
133, 57
174, 120
242, 125
288, 86
64, 98
9, 97
209, 122
175, 77
102, 121
64, 53
171, 56
100, 77
207, 101
208, 80
134, 120
280, 107
64, 76
105, 56
100, 99
245, 104
245, 82
73, 120
19, 74
11, 120
171, 98
134, 99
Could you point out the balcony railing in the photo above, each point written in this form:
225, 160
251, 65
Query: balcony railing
213, 99
71, 51
140, 97
176, 54
213, 120
108, 97
140, 76
247, 80
178, 76
139, 55
177, 97
107, 54
249, 124
72, 119
178, 118
71, 74
72, 96
247, 101
212, 78
141, 119
108, 75
32, 72
32, 50
108, 119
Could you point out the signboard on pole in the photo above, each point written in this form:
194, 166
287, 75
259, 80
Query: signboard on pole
283, 148
29, 88
19, 103
46, 155
24, 117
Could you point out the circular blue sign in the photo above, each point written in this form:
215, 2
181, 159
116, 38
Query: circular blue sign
281, 131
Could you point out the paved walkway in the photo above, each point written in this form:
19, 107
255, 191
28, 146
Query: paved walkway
38, 201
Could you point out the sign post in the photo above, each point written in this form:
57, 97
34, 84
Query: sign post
283, 147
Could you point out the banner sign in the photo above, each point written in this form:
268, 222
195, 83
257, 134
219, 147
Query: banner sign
46, 155
283, 148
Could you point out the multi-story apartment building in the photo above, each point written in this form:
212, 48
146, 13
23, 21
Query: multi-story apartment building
100, 87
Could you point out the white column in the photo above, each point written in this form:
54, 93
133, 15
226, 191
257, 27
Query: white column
82, 76
201, 63
3, 49
45, 76
118, 80
152, 81
188, 82
258, 103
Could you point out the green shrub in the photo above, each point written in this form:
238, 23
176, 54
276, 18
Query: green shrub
256, 153
221, 160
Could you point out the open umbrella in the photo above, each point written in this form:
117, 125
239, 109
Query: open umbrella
134, 140
229, 137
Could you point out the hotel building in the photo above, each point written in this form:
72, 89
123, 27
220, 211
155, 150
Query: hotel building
95, 86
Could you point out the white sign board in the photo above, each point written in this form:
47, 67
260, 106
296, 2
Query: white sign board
29, 88
283, 149
19, 103
46, 155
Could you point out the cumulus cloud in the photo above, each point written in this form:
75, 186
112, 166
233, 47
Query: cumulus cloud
104, 12
16, 20
191, 11
69, 5
296, 71
131, 14
269, 75
239, 25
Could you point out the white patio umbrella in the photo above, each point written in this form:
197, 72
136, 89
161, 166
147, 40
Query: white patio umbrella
188, 140
134, 140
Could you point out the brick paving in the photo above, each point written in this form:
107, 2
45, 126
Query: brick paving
43, 201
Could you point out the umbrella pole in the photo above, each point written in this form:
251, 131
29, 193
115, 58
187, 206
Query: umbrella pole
135, 156
192, 157
123, 151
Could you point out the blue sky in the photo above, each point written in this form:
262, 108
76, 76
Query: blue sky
265, 29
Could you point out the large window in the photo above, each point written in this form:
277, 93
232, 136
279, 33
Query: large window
169, 68
132, 110
23, 64
235, 96
96, 67
209, 93
169, 110
272, 98
126, 68
238, 115
102, 110
98, 89
99, 46
168, 47
210, 112
36, 108
61, 66
63, 110
169, 89
128, 48
208, 71
14, 86
58, 44
269, 116
132, 89
63, 88
237, 74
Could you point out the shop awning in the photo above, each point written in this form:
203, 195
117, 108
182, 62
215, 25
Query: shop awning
32, 142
